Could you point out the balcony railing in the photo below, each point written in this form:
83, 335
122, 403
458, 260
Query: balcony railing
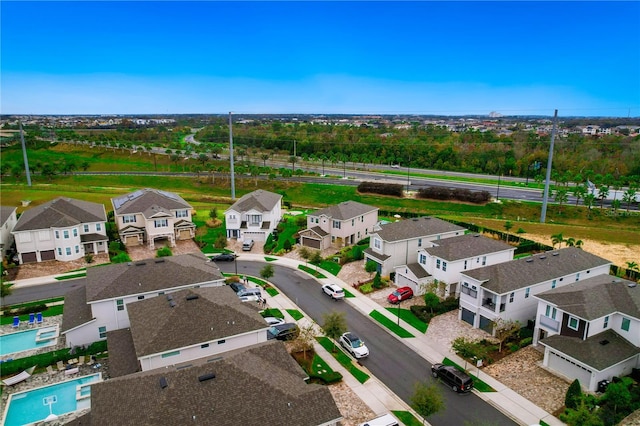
549, 323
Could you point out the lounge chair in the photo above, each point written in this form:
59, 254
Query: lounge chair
16, 379
16, 322
32, 318
39, 318
50, 369
60, 366
81, 360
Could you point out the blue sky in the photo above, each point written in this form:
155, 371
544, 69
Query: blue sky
449, 57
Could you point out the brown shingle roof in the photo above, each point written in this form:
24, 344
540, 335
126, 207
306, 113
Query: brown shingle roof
466, 246
61, 212
260, 385
260, 200
122, 279
524, 272
122, 356
76, 310
596, 297
197, 316
415, 228
345, 210
149, 202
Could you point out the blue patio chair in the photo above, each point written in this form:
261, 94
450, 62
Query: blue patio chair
16, 322
32, 318
39, 318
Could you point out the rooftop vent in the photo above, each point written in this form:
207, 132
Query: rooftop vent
604, 342
555, 253
529, 259
169, 297
543, 257
163, 382
140, 263
632, 285
415, 219
172, 304
206, 377
159, 260
476, 235
192, 297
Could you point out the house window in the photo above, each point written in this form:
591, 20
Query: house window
57, 235
469, 290
465, 264
484, 260
220, 342
573, 323
626, 323
140, 297
120, 304
102, 331
254, 219
336, 224
606, 322
353, 222
577, 276
170, 354
75, 232
444, 266
182, 213
77, 249
526, 292
511, 297
437, 263
129, 218
553, 284
419, 242
204, 346
66, 234
377, 243
59, 251
86, 228
422, 259
550, 312
98, 227
362, 219
67, 250
160, 223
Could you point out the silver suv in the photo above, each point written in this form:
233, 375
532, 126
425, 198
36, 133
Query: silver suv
333, 291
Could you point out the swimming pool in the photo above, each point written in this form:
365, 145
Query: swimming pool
30, 339
35, 405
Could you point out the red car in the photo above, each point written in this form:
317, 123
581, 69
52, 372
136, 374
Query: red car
403, 293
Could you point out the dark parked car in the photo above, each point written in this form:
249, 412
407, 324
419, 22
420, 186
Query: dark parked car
237, 287
224, 257
454, 378
286, 331
403, 293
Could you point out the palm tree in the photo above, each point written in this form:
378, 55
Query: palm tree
629, 196
579, 192
633, 266
603, 193
557, 239
562, 196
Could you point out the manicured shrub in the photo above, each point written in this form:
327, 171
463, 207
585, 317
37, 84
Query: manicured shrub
574, 395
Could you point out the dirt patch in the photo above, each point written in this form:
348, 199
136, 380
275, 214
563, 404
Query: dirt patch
55, 267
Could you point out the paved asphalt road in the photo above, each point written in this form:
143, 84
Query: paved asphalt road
42, 292
392, 362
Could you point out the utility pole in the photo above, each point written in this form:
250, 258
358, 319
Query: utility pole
293, 162
24, 156
233, 181
499, 175
545, 197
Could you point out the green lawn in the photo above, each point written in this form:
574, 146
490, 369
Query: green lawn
477, 383
407, 418
295, 314
72, 276
343, 359
272, 312
407, 316
311, 271
347, 293
392, 326
330, 266
51, 311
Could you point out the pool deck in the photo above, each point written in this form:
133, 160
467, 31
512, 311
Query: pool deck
47, 322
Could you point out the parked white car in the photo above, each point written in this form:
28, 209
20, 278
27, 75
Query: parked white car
354, 345
333, 291
273, 320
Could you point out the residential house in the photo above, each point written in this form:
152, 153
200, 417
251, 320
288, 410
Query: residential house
63, 229
254, 386
339, 225
506, 290
8, 220
590, 329
254, 216
148, 215
443, 261
99, 306
397, 243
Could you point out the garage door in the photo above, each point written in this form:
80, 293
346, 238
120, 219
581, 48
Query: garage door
47, 255
569, 368
131, 240
29, 257
486, 324
310, 242
468, 316
255, 236
185, 234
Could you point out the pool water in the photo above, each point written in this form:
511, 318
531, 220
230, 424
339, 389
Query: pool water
29, 339
33, 405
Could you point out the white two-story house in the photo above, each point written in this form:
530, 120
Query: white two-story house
254, 216
339, 225
8, 220
99, 306
63, 229
148, 215
590, 329
506, 290
397, 243
443, 260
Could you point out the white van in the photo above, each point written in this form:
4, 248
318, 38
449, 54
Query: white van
253, 291
247, 245
384, 420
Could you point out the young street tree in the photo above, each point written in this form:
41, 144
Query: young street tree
505, 329
427, 399
266, 272
334, 325
304, 342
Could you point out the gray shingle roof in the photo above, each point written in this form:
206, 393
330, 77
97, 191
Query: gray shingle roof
122, 355
466, 246
260, 200
380, 256
76, 310
591, 352
345, 210
149, 202
524, 272
122, 279
416, 228
5, 213
257, 386
60, 213
198, 315
418, 270
596, 297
